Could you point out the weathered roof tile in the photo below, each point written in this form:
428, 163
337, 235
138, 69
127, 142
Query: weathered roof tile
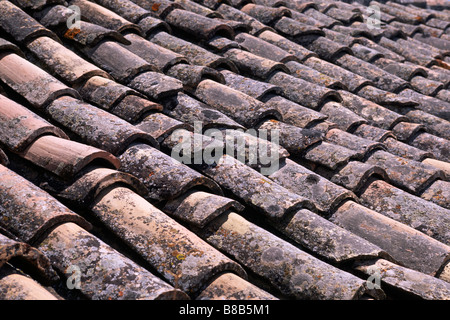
29, 212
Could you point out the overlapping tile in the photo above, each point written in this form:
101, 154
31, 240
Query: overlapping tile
357, 110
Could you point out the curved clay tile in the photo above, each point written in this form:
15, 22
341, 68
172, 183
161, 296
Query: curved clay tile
265, 15
220, 44
189, 110
126, 9
353, 142
294, 29
352, 81
34, 84
158, 8
160, 126
428, 104
375, 114
438, 23
231, 13
198, 8
65, 158
170, 248
389, 54
355, 175
406, 151
426, 86
192, 75
303, 18
251, 148
119, 62
253, 188
229, 286
133, 108
269, 257
386, 98
409, 174
294, 139
330, 155
71, 248
242, 108
289, 46
104, 92
254, 88
326, 49
404, 131
439, 193
293, 113
95, 126
439, 147
204, 28
150, 25
159, 57
62, 62
165, 177
35, 260
434, 125
408, 51
253, 65
370, 132
410, 210
323, 18
5, 45
343, 117
20, 126
94, 180
20, 25
88, 34
18, 286
325, 195
300, 91
339, 37
29, 212
380, 78
156, 85
106, 18
409, 247
193, 53
311, 75
328, 240
401, 70
407, 280
345, 16
198, 208
265, 49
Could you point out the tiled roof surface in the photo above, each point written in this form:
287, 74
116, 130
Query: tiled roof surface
94, 205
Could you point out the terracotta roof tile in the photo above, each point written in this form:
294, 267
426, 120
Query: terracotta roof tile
96, 126
174, 247
68, 245
24, 77
29, 27
29, 212
20, 126
408, 246
230, 287
353, 119
165, 177
406, 279
36, 261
